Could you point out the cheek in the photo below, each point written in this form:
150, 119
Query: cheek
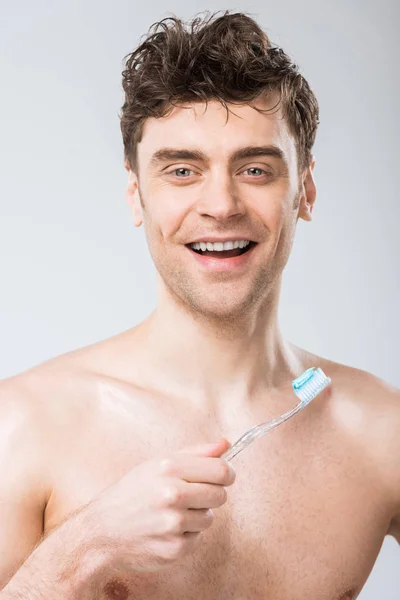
165, 216
275, 207
274, 215
168, 227
162, 224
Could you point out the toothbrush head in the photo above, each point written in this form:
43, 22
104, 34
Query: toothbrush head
310, 384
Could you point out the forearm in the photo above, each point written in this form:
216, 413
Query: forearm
65, 566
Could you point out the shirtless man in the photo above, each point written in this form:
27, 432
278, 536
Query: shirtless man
108, 487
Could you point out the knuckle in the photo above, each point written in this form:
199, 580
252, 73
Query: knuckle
174, 522
171, 495
178, 547
162, 560
167, 552
179, 544
167, 466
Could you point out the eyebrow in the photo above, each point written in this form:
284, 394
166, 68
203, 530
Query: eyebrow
164, 154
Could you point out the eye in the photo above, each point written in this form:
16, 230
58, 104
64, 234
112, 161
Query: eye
180, 172
258, 169
180, 169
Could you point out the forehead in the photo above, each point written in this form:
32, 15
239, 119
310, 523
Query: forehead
209, 127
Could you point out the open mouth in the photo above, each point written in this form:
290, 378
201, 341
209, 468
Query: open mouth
221, 253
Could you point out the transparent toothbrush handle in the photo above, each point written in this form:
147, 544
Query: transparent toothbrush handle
259, 430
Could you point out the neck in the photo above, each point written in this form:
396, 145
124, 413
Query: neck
210, 360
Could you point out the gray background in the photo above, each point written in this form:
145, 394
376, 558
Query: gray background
73, 270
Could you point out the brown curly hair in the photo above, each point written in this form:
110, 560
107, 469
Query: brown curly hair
230, 59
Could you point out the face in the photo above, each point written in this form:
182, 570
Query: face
228, 181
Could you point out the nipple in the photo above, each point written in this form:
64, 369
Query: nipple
116, 590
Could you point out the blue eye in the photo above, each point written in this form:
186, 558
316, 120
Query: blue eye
179, 173
180, 169
255, 169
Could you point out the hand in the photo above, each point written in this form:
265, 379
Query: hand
154, 516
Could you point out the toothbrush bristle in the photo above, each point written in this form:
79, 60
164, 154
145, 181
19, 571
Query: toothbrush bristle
318, 382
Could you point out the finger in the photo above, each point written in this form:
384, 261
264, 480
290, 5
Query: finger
215, 449
198, 469
198, 520
185, 495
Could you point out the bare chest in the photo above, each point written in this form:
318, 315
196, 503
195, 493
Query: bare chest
303, 518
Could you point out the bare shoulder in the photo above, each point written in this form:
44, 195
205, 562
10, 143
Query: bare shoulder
22, 444
40, 410
51, 393
375, 396
25, 482
33, 409
370, 391
51, 398
369, 404
368, 407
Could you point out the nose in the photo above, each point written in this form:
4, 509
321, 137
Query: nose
219, 199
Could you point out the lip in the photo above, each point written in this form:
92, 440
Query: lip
217, 265
215, 240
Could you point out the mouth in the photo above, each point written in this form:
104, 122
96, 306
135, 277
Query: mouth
222, 250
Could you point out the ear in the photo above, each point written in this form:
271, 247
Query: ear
308, 193
133, 197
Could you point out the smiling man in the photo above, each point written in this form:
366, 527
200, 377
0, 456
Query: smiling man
218, 128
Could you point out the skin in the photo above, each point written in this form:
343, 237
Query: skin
312, 501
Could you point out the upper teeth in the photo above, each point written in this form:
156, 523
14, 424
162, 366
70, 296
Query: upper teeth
219, 246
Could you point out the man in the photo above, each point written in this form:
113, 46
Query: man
107, 484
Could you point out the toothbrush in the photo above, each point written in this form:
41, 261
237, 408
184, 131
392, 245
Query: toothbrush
306, 388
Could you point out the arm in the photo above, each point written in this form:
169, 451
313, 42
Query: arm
394, 529
65, 566
63, 562
23, 489
378, 423
386, 439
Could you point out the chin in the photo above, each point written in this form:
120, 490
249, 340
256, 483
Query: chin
222, 300
223, 308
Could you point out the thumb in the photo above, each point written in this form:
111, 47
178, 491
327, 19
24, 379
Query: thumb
213, 450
